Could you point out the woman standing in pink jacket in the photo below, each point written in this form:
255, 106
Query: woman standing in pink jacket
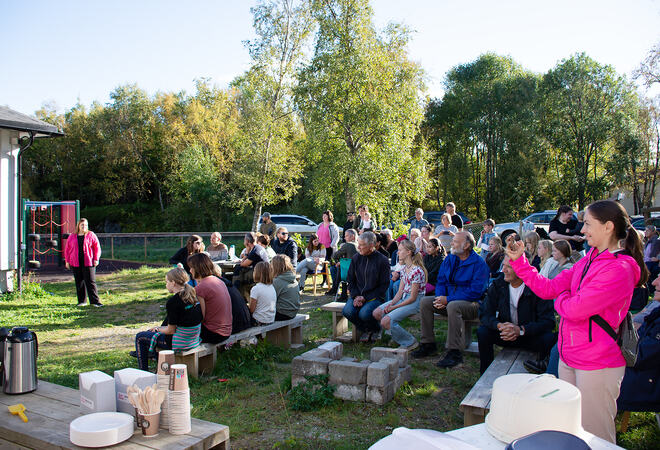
82, 254
601, 284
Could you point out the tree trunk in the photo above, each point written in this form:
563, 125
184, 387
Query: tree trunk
257, 213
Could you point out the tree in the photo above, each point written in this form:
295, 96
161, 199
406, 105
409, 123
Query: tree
649, 70
267, 167
581, 99
360, 101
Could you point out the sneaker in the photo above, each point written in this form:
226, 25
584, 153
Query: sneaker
365, 337
331, 292
376, 336
98, 305
452, 358
424, 350
132, 353
152, 355
81, 304
536, 366
410, 347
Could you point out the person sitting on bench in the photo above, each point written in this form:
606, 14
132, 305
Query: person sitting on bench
347, 250
214, 299
513, 316
287, 304
462, 280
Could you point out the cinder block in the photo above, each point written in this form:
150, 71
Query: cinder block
404, 375
348, 358
297, 379
351, 392
380, 395
335, 349
378, 353
316, 353
378, 374
346, 372
393, 365
309, 366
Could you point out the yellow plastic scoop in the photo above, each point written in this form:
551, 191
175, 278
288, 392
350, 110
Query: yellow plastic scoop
18, 410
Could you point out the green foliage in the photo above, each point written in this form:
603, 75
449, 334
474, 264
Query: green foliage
311, 395
299, 240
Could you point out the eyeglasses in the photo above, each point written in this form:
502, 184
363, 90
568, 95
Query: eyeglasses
284, 233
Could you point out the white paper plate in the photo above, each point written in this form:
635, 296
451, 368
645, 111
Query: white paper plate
101, 429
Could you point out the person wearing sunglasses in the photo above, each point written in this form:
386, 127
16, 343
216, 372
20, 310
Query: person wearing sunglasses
284, 245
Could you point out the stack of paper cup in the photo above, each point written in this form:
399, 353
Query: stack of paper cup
179, 400
165, 361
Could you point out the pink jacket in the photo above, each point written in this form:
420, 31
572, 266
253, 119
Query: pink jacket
91, 250
606, 290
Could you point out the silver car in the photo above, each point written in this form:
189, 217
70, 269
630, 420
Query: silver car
294, 223
538, 219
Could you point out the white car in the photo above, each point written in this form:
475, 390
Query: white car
293, 223
538, 219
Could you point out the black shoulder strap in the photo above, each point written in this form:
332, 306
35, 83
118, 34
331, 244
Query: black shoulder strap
604, 325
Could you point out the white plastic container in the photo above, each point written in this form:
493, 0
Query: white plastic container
101, 429
128, 377
97, 392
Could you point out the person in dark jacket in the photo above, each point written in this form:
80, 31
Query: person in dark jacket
513, 316
347, 250
368, 279
640, 389
432, 262
284, 245
241, 317
462, 280
194, 244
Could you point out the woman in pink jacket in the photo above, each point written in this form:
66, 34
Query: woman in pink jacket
602, 284
82, 254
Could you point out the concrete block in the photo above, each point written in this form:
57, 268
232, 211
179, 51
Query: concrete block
404, 375
393, 365
335, 349
378, 353
378, 374
309, 366
316, 353
355, 393
380, 395
297, 379
346, 372
348, 358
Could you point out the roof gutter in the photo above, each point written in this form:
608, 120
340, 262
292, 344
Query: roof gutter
25, 143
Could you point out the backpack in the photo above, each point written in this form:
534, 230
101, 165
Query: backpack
627, 338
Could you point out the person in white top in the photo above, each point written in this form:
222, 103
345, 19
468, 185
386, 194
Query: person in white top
314, 256
262, 295
513, 316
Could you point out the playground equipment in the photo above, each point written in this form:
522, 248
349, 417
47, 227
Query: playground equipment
46, 227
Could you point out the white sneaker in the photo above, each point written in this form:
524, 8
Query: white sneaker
412, 346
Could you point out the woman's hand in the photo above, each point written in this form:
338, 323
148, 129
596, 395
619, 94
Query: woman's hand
389, 308
155, 329
515, 249
68, 266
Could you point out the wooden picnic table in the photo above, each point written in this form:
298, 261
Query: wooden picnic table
51, 408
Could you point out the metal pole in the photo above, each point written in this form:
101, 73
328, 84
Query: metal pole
112, 247
145, 249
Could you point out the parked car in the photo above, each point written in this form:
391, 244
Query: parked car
293, 222
538, 219
434, 218
639, 223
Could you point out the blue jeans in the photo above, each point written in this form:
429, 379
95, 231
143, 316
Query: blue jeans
399, 334
553, 363
392, 290
334, 273
142, 342
362, 316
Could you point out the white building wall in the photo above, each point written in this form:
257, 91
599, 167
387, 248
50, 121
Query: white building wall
9, 148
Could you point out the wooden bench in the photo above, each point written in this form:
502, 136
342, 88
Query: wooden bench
285, 333
51, 408
476, 403
340, 323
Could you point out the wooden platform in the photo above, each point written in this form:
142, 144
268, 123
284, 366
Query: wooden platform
476, 403
51, 408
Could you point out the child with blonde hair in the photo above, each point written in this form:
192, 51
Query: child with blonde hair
262, 295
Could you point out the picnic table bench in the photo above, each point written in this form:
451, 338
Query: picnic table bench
284, 333
476, 403
51, 408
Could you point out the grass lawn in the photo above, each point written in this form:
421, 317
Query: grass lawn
253, 402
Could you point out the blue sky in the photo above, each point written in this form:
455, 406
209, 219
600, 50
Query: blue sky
69, 51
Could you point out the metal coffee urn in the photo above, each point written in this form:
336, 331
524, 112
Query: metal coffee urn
19, 361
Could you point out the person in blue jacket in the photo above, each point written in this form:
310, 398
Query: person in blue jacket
462, 281
640, 388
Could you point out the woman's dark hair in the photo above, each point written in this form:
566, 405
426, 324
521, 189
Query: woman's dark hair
564, 247
428, 228
264, 240
328, 213
609, 211
191, 240
201, 265
310, 244
436, 243
562, 209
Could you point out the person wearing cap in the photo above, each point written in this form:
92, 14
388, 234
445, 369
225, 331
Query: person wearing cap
267, 226
513, 316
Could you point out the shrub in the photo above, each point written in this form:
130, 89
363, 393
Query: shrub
314, 394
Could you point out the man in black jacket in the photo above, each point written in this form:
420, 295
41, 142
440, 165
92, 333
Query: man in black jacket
513, 316
368, 279
284, 245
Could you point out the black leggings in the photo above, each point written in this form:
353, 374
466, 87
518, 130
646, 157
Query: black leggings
211, 337
85, 279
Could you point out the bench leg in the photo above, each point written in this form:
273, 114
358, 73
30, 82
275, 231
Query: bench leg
192, 363
472, 416
206, 363
296, 337
280, 336
339, 324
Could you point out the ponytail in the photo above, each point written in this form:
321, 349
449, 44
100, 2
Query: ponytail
419, 262
632, 245
180, 277
188, 294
